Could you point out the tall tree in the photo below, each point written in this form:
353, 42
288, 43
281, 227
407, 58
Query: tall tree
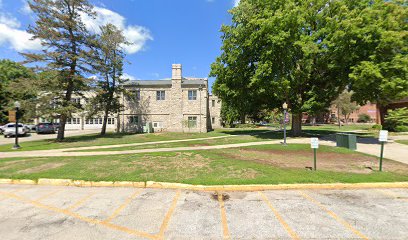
285, 51
345, 106
10, 74
108, 55
65, 40
381, 37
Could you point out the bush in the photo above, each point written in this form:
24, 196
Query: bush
364, 118
377, 127
401, 129
397, 120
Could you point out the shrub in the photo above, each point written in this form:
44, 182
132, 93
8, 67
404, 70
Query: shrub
397, 120
364, 118
377, 127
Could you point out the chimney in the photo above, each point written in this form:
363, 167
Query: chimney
176, 72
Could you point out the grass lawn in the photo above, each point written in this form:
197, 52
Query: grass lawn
402, 142
266, 164
114, 138
207, 142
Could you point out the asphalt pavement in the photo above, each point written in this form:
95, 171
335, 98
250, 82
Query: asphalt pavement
51, 212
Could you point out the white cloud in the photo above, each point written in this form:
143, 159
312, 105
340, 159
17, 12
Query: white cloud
137, 35
9, 21
26, 8
126, 76
236, 3
19, 40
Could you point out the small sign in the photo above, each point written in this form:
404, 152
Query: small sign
314, 143
12, 116
383, 136
287, 119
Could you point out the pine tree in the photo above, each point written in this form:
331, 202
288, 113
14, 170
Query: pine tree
65, 52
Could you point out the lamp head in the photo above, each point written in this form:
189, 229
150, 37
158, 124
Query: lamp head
17, 104
285, 105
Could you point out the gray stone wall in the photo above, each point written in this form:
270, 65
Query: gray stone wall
214, 106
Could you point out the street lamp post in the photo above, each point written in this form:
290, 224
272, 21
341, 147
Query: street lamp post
17, 107
285, 108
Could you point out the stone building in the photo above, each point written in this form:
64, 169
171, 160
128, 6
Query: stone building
180, 104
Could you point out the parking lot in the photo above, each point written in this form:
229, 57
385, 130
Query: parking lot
50, 212
34, 136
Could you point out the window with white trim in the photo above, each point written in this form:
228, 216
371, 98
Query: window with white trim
192, 122
160, 95
192, 94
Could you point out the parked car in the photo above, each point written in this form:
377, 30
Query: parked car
2, 129
45, 128
56, 126
9, 130
32, 127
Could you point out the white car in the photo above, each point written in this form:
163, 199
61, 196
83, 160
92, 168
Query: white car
9, 130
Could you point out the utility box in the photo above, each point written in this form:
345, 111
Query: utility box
346, 140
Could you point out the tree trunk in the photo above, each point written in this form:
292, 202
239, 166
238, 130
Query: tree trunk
296, 124
338, 117
105, 121
242, 119
61, 129
382, 111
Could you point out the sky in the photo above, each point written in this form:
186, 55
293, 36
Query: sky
163, 32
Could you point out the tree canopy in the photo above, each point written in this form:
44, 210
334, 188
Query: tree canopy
301, 52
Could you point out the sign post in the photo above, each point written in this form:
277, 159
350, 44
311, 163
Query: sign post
383, 138
314, 143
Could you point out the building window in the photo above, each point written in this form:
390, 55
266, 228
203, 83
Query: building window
76, 100
69, 121
192, 94
213, 103
192, 122
157, 124
134, 119
160, 95
134, 95
212, 120
111, 121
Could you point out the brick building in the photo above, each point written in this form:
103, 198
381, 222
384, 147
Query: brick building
177, 105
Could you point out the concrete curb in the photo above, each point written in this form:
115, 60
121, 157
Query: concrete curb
227, 188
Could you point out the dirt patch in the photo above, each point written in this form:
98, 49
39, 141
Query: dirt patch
43, 167
331, 161
11, 164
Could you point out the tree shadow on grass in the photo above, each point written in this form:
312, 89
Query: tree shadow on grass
92, 137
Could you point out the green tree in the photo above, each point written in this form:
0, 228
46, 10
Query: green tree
381, 37
345, 106
229, 114
11, 74
290, 51
65, 39
109, 57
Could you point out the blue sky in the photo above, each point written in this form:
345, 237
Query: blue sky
163, 32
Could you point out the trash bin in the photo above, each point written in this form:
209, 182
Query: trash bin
346, 140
